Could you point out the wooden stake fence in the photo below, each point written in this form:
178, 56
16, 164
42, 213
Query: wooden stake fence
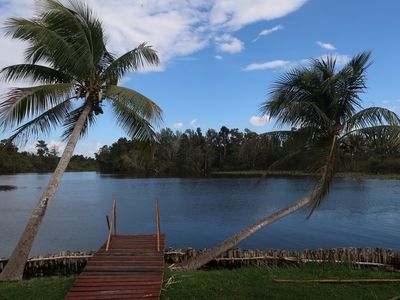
69, 263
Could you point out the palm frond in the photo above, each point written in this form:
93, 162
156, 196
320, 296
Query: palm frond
372, 116
42, 124
21, 103
283, 91
388, 135
359, 63
302, 114
131, 61
72, 118
45, 43
326, 67
296, 100
35, 73
72, 26
132, 120
350, 83
93, 29
135, 101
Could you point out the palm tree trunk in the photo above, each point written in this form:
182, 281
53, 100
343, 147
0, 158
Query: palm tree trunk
320, 189
210, 254
14, 269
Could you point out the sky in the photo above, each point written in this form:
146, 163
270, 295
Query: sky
219, 58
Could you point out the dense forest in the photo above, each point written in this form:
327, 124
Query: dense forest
194, 153
44, 160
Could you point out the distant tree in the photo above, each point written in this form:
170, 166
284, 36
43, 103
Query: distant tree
41, 148
8, 157
53, 151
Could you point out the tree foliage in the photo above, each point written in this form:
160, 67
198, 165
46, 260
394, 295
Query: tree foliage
70, 67
324, 103
13, 161
192, 153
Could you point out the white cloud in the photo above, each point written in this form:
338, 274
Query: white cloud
228, 43
174, 27
259, 121
274, 64
268, 31
178, 125
219, 57
194, 123
385, 101
326, 46
341, 59
238, 13
87, 149
29, 148
58, 145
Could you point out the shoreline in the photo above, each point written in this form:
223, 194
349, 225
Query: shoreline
68, 263
259, 173
237, 174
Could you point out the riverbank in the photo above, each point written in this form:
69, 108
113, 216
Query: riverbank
226, 174
260, 173
72, 263
241, 283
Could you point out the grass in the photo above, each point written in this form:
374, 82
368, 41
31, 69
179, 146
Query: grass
256, 283
242, 283
54, 288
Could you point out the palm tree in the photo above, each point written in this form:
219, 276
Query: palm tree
74, 76
322, 103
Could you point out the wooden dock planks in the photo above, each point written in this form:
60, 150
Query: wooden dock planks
132, 268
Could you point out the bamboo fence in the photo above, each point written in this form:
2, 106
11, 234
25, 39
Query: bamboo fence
69, 263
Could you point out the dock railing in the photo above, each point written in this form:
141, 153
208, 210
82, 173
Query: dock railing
158, 225
113, 224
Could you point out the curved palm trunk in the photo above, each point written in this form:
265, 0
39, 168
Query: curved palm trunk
210, 254
14, 269
319, 191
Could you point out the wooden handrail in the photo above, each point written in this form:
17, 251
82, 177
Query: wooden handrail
158, 225
112, 224
108, 222
115, 217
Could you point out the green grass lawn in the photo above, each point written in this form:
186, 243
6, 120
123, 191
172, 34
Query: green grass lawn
256, 283
242, 283
36, 289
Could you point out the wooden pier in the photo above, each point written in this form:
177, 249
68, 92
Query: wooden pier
125, 267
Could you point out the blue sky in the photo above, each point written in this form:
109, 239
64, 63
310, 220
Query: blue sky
220, 57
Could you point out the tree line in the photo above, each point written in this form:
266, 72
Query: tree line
44, 160
194, 153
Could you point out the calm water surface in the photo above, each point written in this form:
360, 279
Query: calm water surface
200, 212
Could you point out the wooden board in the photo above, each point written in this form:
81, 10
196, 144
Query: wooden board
132, 268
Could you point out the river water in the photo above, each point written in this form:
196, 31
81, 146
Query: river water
200, 212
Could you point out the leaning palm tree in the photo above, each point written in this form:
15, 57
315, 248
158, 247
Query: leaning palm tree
74, 76
324, 104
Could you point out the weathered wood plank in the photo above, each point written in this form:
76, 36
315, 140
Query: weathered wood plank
132, 268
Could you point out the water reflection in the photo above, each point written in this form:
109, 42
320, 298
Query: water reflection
201, 212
